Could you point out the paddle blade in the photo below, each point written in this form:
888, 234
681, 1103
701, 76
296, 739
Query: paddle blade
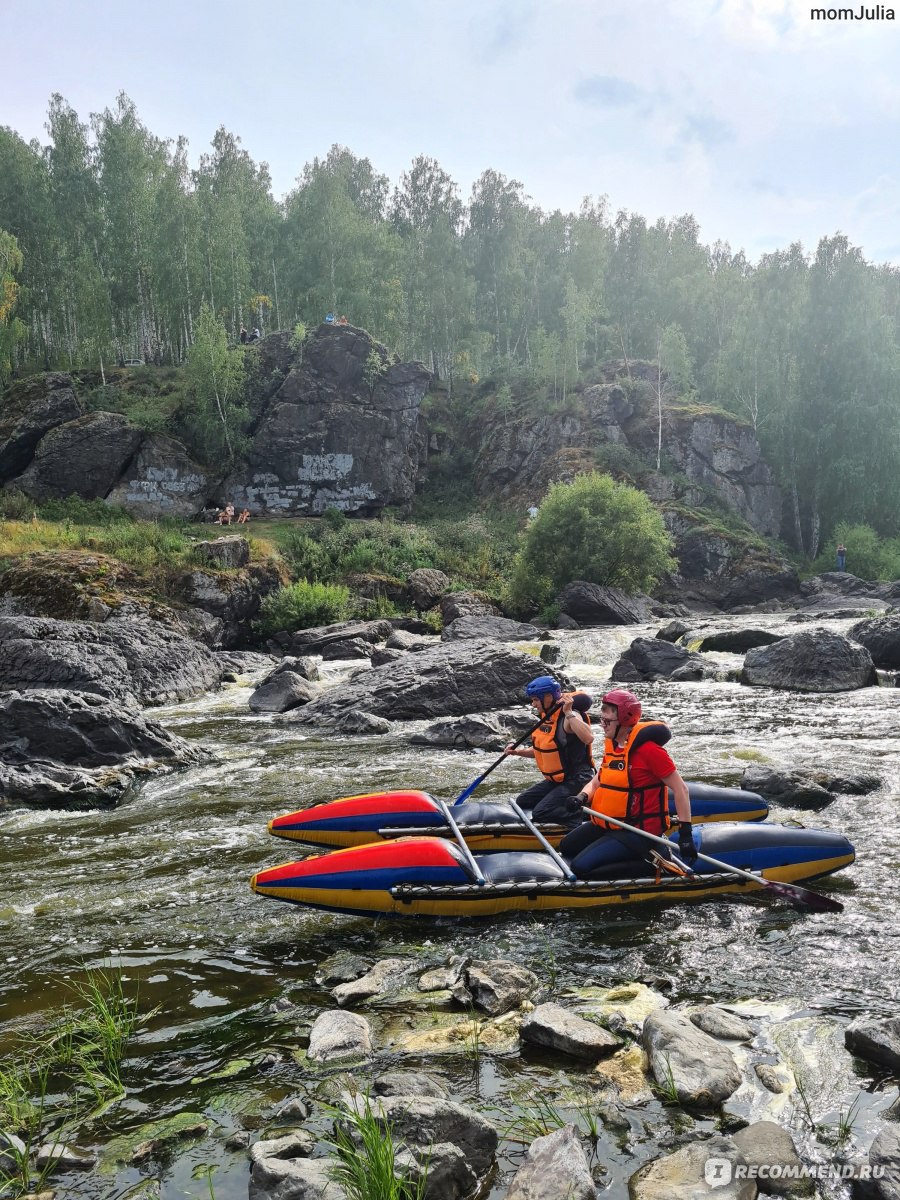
463, 796
803, 897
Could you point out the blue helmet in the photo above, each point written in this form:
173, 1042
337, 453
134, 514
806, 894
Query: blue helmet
538, 688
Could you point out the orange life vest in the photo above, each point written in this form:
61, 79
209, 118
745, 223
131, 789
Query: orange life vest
645, 807
549, 741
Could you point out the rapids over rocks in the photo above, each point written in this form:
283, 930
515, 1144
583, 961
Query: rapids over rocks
158, 888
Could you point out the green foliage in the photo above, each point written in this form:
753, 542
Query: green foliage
334, 518
302, 605
365, 1153
593, 529
11, 328
214, 411
868, 555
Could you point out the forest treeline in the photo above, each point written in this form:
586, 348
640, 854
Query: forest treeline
110, 244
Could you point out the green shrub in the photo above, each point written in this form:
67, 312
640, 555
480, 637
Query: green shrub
593, 529
334, 518
869, 556
302, 605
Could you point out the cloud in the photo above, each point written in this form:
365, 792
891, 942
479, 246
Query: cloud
609, 91
505, 31
708, 131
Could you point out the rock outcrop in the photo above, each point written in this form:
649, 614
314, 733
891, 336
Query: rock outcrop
130, 661
31, 408
85, 457
341, 429
77, 749
162, 480
591, 604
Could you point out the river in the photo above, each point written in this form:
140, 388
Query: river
159, 888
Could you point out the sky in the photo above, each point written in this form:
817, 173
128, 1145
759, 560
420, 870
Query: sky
768, 126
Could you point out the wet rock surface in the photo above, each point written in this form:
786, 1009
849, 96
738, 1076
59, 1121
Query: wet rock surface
818, 661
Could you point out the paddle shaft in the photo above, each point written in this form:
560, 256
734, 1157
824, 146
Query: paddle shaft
787, 890
464, 795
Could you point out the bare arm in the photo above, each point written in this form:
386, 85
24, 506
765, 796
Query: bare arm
680, 794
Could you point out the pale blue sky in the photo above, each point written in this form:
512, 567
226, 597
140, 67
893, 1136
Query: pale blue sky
767, 126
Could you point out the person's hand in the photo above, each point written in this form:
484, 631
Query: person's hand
509, 748
686, 847
567, 703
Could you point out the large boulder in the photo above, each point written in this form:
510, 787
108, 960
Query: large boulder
699, 1069
652, 658
281, 692
313, 641
884, 1158
132, 661
732, 641
341, 430
77, 749
875, 1040
450, 679
224, 553
817, 661
558, 1028
162, 480
695, 1172
466, 604
84, 457
881, 637
426, 586
31, 408
233, 597
593, 604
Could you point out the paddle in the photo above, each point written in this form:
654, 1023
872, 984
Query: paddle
787, 891
464, 795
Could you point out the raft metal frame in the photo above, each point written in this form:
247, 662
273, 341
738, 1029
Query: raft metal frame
534, 887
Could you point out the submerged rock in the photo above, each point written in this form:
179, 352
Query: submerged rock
297, 1144
719, 1023
876, 1040
555, 1166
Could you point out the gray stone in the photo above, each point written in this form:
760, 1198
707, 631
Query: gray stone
225, 553
881, 637
487, 628
12, 1152
551, 653
447, 1174
652, 658
305, 667
62, 748
293, 1179
32, 407
555, 1167
817, 661
338, 1034
341, 968
672, 630
84, 457
884, 1154
235, 597
382, 979
466, 604
793, 788
875, 1039
682, 1175
734, 641
719, 1023
498, 986
426, 586
313, 641
594, 604
408, 1083
424, 1121
564, 621
381, 656
465, 733
282, 692
296, 1144
558, 1028
767, 1144
772, 1078
450, 679
701, 1070
60, 1157
361, 723
346, 648
125, 659
401, 640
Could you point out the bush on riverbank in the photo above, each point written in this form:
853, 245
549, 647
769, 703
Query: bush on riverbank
303, 605
868, 555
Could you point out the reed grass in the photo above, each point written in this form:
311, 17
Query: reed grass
365, 1157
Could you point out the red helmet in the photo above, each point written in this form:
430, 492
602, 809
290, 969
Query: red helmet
626, 704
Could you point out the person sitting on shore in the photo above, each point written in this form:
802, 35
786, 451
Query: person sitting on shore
342, 320
244, 517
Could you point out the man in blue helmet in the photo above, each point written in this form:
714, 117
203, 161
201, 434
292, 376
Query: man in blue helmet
561, 748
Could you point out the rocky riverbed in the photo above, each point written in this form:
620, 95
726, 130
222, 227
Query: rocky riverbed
244, 988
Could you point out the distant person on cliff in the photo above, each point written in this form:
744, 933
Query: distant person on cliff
841, 557
632, 785
254, 336
561, 748
243, 336
342, 320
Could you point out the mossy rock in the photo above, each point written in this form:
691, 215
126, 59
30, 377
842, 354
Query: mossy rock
153, 1138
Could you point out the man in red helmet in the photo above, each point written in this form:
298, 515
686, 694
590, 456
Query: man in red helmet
632, 785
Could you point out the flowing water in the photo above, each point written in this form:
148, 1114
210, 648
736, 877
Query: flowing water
159, 888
